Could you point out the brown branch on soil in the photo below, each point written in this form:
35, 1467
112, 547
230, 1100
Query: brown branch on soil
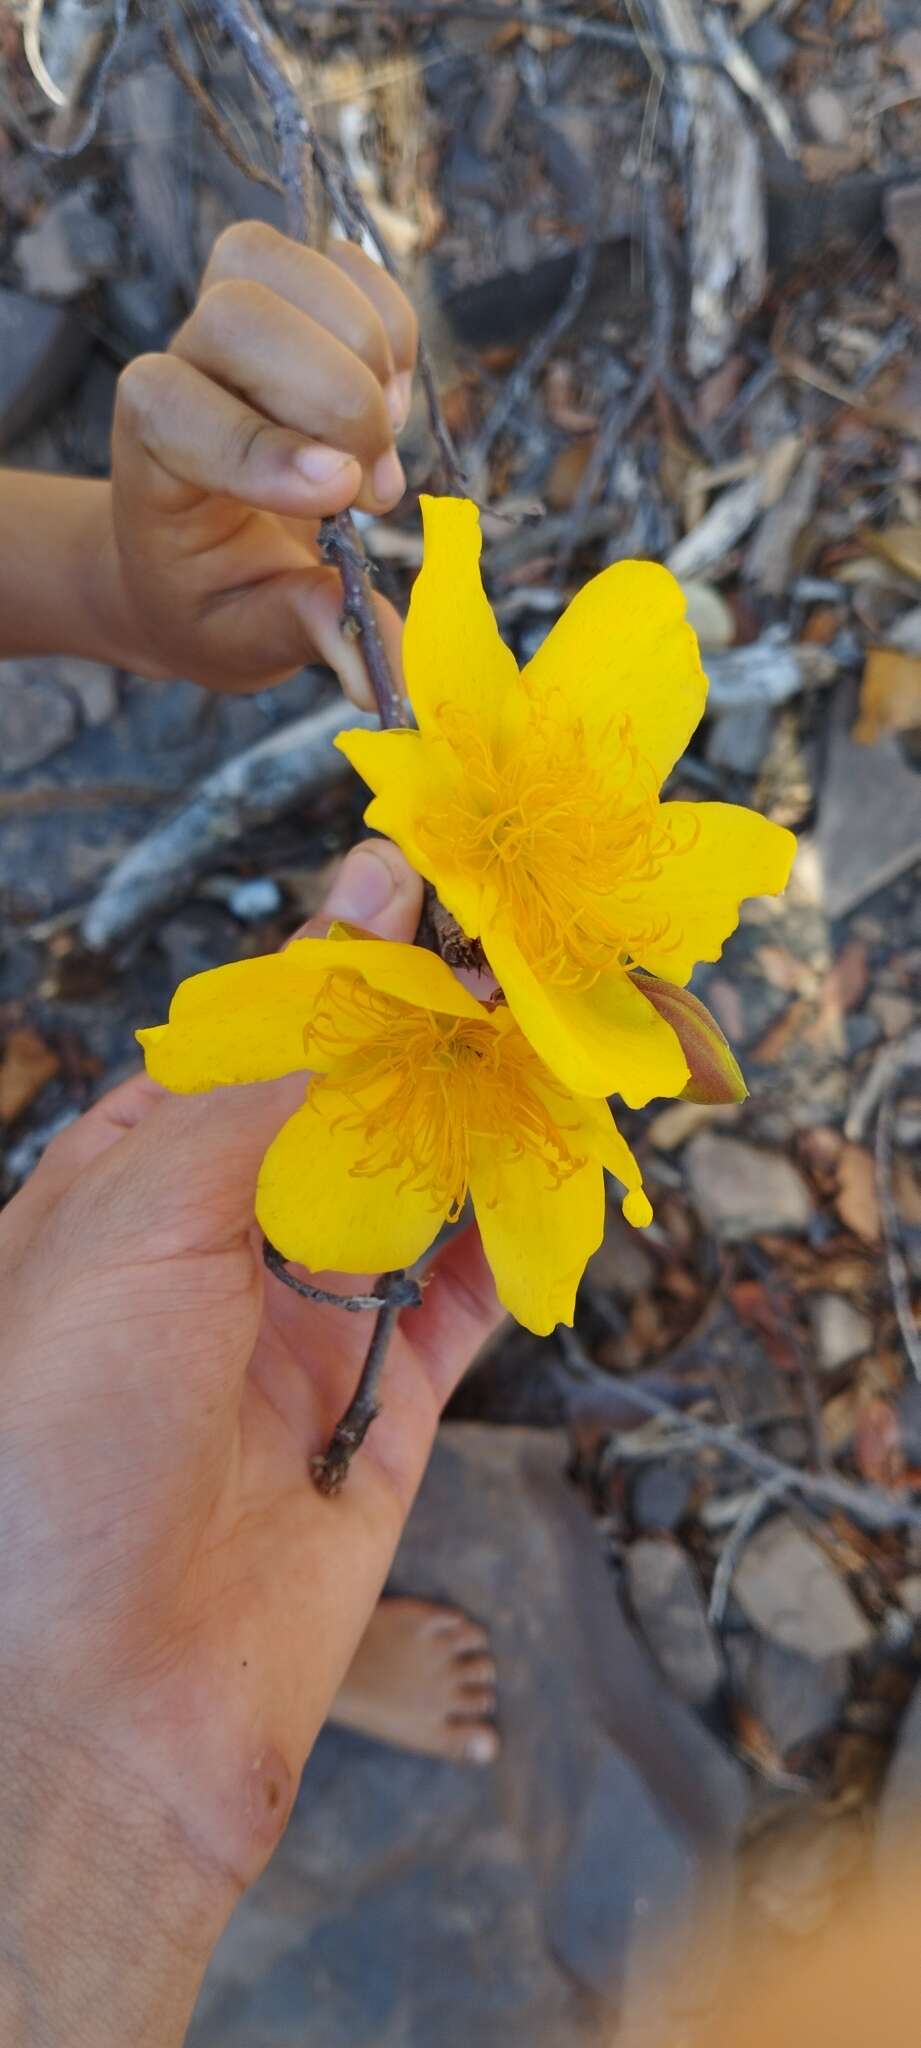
871, 1505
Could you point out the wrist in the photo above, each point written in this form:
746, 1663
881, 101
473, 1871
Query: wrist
107, 1920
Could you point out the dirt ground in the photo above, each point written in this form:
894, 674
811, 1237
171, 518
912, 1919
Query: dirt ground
674, 312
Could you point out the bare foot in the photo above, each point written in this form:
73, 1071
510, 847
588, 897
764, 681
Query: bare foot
423, 1679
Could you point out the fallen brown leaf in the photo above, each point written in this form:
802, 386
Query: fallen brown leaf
26, 1064
878, 1443
899, 545
857, 1201
890, 694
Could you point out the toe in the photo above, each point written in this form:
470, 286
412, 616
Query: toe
477, 1699
472, 1742
471, 1640
476, 1669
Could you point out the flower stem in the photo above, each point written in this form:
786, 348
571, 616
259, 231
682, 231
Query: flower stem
330, 1469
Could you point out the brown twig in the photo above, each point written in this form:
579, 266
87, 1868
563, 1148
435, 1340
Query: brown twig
896, 1262
868, 1504
210, 115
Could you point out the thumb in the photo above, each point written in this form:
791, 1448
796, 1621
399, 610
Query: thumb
374, 887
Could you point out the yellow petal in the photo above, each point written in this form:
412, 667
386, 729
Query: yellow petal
396, 968
452, 650
244, 1022
622, 647
537, 1235
315, 1209
413, 779
607, 1143
602, 1040
731, 853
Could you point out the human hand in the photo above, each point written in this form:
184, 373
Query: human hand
275, 405
179, 1604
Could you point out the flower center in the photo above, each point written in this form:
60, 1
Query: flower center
568, 828
419, 1087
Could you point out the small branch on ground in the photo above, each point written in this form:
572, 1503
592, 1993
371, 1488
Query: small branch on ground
210, 115
870, 1505
896, 1262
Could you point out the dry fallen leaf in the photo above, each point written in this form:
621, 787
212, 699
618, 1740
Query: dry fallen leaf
857, 1202
900, 546
25, 1066
890, 695
878, 1443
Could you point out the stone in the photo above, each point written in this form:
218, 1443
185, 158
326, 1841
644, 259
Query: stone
668, 1604
787, 1588
841, 1332
739, 1190
869, 828
795, 1697
661, 1494
91, 683
621, 1265
36, 718
69, 248
42, 350
413, 1901
829, 113
894, 1013
738, 739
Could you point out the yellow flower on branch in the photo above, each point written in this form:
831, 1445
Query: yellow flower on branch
419, 1094
531, 801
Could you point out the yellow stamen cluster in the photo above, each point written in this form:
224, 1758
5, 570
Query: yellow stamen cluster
566, 832
423, 1086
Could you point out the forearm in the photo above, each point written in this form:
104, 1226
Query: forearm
106, 1925
60, 587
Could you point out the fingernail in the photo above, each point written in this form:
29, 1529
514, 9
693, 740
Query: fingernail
398, 394
319, 464
387, 478
362, 889
482, 1747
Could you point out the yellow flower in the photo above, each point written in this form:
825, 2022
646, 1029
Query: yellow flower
531, 800
420, 1094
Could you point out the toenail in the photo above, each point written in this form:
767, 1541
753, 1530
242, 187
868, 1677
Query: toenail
481, 1747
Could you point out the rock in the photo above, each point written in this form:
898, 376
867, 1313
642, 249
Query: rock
869, 828
902, 222
413, 1902
893, 1012
254, 899
666, 1598
94, 686
787, 1588
69, 248
738, 739
840, 1331
829, 114
42, 350
35, 717
795, 1697
621, 1265
709, 615
661, 1494
739, 1190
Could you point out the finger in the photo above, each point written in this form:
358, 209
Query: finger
208, 439
374, 887
311, 282
397, 315
293, 372
273, 628
460, 1311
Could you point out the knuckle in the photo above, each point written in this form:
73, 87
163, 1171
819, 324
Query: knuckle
248, 436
